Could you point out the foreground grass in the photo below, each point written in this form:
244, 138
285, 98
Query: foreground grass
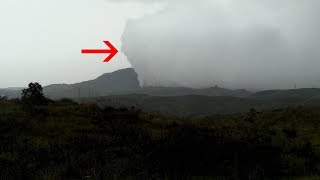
67, 140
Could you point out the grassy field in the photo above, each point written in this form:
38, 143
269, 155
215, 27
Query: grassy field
67, 140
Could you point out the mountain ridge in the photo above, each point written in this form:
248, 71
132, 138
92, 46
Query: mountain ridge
125, 81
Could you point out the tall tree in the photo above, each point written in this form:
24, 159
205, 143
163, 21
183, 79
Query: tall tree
33, 95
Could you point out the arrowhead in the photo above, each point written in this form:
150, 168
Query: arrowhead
113, 51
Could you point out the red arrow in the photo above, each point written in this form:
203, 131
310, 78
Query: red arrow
112, 51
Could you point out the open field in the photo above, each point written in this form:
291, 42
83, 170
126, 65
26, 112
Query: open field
70, 140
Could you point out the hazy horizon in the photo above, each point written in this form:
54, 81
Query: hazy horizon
261, 45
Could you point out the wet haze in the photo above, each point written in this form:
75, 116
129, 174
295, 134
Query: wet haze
262, 44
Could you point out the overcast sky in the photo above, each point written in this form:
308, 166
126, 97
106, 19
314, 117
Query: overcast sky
41, 40
261, 44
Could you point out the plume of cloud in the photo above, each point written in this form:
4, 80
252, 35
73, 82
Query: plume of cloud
247, 44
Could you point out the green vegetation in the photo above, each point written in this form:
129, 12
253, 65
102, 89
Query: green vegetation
33, 95
198, 105
33, 100
75, 141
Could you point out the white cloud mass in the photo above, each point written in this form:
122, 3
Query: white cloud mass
237, 44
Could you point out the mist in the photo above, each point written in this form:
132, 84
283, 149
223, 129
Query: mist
267, 44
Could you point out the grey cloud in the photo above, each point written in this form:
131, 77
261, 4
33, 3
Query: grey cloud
247, 44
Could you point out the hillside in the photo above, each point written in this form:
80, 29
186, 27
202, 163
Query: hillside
189, 105
66, 140
121, 88
183, 91
125, 81
119, 82
198, 105
306, 96
10, 92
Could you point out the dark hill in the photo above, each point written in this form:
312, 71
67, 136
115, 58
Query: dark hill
182, 91
306, 96
199, 105
119, 82
10, 92
187, 106
126, 81
121, 88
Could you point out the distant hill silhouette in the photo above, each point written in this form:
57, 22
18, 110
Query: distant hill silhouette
119, 82
182, 91
11, 92
125, 81
199, 105
121, 88
305, 96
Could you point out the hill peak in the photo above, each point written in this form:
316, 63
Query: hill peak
117, 82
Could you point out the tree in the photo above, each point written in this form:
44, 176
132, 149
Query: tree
3, 98
33, 95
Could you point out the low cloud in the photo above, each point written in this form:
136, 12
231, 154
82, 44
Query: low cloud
249, 44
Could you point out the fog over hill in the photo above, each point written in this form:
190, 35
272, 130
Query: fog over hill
125, 81
265, 44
